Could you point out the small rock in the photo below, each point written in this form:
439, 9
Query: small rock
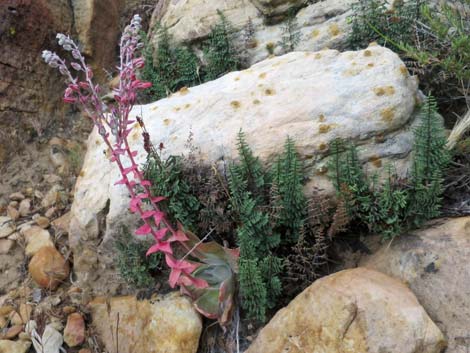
3, 322
17, 196
50, 342
84, 350
52, 178
6, 227
48, 268
59, 159
52, 197
6, 310
25, 207
15, 318
15, 236
14, 204
25, 312
6, 245
13, 213
36, 238
62, 223
42, 222
68, 309
12, 332
38, 194
29, 192
7, 346
57, 141
50, 212
74, 333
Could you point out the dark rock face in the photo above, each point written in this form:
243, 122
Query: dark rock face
30, 92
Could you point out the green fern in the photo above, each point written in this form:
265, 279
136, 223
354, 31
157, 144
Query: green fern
290, 33
220, 53
290, 200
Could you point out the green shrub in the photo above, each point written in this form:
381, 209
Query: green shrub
290, 33
134, 266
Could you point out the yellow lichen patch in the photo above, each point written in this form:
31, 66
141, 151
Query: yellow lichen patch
387, 114
322, 146
235, 104
269, 92
256, 102
352, 72
317, 56
315, 33
384, 91
403, 70
237, 78
324, 128
97, 142
82, 173
334, 29
166, 122
370, 65
376, 161
136, 125
321, 118
154, 108
187, 106
262, 75
367, 52
176, 109
184, 90
373, 44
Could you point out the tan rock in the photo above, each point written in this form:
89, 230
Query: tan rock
68, 309
15, 236
6, 245
74, 333
7, 227
48, 268
25, 207
169, 324
42, 222
36, 238
15, 318
17, 196
7, 346
14, 204
353, 311
13, 213
6, 310
3, 322
25, 312
62, 223
50, 212
434, 263
12, 332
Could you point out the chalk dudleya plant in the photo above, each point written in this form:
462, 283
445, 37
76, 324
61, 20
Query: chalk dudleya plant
203, 270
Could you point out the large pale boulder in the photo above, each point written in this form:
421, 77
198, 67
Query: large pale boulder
167, 324
351, 311
434, 262
366, 97
320, 25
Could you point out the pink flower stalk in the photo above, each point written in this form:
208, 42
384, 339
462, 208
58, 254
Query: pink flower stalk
113, 124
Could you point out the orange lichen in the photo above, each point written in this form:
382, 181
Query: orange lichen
334, 29
384, 91
269, 92
376, 161
387, 114
315, 33
235, 104
324, 128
